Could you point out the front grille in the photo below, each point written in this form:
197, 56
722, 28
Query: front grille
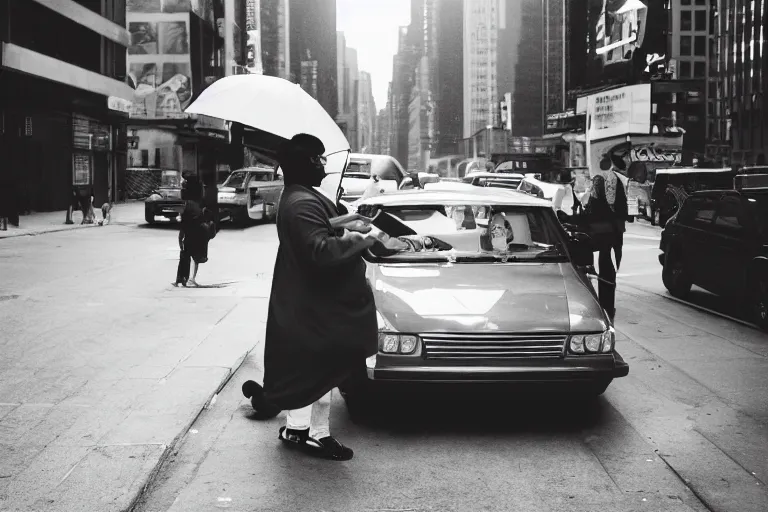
493, 346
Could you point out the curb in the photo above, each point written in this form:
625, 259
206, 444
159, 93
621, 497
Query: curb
52, 230
170, 448
696, 306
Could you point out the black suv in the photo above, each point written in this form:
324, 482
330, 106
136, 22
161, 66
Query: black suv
719, 241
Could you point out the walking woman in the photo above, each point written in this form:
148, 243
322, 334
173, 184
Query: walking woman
194, 234
608, 212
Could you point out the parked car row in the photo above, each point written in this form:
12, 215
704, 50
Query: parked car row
718, 240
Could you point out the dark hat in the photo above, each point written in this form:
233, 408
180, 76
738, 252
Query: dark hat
606, 163
302, 143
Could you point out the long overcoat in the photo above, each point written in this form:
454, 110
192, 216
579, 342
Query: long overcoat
321, 323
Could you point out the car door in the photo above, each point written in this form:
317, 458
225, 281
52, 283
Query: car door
733, 245
695, 238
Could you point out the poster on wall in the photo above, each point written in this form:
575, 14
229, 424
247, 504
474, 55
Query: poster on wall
143, 38
81, 169
159, 65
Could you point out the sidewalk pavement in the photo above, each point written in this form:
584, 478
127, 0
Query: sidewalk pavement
105, 365
37, 223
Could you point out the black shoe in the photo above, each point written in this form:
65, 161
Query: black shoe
255, 392
327, 448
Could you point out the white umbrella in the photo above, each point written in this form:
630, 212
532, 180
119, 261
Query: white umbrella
270, 104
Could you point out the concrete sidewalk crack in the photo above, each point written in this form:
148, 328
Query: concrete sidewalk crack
710, 441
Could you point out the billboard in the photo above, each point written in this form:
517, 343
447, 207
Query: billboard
619, 112
159, 65
620, 29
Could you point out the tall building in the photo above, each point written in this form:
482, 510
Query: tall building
63, 100
448, 84
366, 114
381, 144
275, 38
481, 32
347, 85
742, 63
403, 80
313, 50
526, 81
555, 55
253, 62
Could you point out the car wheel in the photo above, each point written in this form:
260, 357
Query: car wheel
149, 217
360, 403
760, 303
675, 277
599, 387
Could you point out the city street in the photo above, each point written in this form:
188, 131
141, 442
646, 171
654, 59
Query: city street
109, 372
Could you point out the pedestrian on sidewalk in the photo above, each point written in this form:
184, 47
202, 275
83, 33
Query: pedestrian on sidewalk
195, 231
321, 324
607, 208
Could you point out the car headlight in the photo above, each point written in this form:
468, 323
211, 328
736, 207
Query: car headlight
592, 343
393, 342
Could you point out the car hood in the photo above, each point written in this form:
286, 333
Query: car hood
524, 297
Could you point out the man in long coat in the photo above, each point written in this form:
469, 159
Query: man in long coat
321, 324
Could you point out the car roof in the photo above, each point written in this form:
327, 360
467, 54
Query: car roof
691, 170
470, 195
499, 175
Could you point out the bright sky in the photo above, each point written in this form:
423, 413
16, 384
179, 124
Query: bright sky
370, 26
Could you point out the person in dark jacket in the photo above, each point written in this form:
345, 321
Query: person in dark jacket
321, 323
194, 233
8, 207
608, 205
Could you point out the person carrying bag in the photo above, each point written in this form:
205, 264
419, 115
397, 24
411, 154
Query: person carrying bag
604, 220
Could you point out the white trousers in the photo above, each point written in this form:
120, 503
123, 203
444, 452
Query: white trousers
316, 417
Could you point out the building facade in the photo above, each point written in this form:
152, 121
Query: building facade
313, 49
522, 22
64, 102
176, 51
480, 68
275, 38
403, 80
366, 114
555, 55
347, 84
449, 78
739, 122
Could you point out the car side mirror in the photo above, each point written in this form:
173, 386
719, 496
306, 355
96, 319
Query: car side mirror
580, 247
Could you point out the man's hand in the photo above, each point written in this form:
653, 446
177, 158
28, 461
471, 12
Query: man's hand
352, 222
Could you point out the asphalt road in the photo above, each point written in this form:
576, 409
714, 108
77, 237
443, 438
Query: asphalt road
103, 364
686, 430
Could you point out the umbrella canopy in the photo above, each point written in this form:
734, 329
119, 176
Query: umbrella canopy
271, 104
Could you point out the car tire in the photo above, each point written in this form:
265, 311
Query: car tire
149, 217
674, 277
599, 387
240, 219
358, 398
760, 303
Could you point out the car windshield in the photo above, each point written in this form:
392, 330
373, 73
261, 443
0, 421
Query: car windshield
235, 180
473, 233
358, 169
170, 179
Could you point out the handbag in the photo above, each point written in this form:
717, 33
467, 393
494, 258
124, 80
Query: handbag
601, 232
